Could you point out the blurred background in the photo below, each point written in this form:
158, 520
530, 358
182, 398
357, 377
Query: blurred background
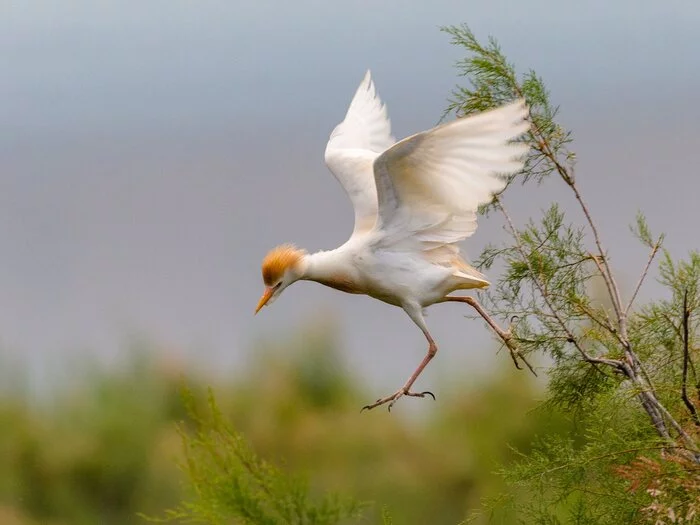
151, 153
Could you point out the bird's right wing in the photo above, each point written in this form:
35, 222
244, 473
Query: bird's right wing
354, 145
431, 184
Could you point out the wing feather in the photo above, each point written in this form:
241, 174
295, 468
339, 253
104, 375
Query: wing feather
354, 145
430, 185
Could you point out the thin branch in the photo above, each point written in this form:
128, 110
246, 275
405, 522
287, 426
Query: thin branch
541, 144
545, 148
544, 241
605, 324
681, 432
653, 406
653, 253
545, 297
648, 401
656, 411
608, 284
630, 366
686, 358
679, 333
691, 365
612, 285
673, 325
646, 375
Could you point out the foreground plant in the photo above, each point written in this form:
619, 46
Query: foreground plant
230, 483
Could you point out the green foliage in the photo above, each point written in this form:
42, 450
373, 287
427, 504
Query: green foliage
626, 376
548, 259
105, 447
433, 472
231, 484
658, 332
493, 81
97, 451
642, 232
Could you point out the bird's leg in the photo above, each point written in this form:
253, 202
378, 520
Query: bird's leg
405, 390
506, 336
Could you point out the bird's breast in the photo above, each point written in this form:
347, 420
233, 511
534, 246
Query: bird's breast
342, 282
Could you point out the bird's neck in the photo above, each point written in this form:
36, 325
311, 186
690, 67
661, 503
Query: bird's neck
332, 269
322, 265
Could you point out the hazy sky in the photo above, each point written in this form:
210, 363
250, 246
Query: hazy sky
152, 152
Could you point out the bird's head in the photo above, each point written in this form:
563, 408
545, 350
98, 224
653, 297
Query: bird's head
281, 267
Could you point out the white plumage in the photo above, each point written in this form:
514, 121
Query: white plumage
414, 200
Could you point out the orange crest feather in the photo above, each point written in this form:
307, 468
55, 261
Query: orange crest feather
278, 260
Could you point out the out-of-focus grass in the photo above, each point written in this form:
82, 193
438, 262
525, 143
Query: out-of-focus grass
106, 448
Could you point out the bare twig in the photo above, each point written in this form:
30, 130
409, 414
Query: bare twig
653, 253
686, 358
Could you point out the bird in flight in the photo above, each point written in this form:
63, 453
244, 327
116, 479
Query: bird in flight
414, 201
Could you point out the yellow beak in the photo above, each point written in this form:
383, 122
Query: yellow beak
265, 298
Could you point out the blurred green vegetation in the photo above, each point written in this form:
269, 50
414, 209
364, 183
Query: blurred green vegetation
106, 447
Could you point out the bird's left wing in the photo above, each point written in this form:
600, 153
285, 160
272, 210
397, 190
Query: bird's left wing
431, 184
354, 145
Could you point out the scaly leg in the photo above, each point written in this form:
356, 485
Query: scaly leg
416, 314
505, 336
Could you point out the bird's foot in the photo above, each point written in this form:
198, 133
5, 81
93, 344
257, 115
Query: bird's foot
393, 398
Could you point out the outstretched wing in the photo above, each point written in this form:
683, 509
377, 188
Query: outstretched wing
354, 145
431, 184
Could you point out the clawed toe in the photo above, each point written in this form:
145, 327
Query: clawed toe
420, 394
395, 397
